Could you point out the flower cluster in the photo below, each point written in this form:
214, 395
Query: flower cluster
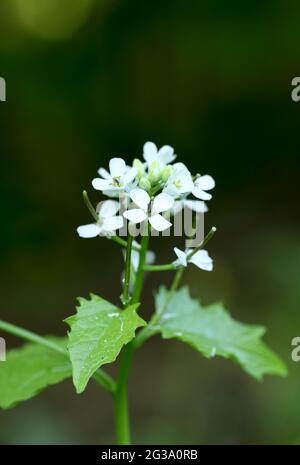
156, 187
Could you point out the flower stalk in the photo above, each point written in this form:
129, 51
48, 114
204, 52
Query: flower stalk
125, 295
121, 392
153, 187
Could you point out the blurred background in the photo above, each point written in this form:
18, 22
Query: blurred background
88, 80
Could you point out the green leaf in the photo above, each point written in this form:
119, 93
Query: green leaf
98, 332
212, 331
30, 369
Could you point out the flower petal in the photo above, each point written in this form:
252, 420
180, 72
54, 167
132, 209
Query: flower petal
186, 181
180, 182
150, 257
114, 192
129, 175
181, 256
159, 223
135, 260
196, 205
165, 155
104, 173
177, 207
203, 256
117, 167
108, 208
162, 203
205, 182
171, 190
200, 194
88, 230
150, 152
112, 223
180, 166
136, 215
204, 266
202, 260
136, 244
140, 197
100, 184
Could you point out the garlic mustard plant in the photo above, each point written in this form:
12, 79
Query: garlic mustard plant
150, 193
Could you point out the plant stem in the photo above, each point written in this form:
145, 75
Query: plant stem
171, 266
105, 380
121, 393
30, 336
124, 243
100, 376
176, 280
140, 272
207, 238
166, 267
121, 398
89, 205
125, 296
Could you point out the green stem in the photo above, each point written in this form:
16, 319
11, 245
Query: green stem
124, 243
100, 376
140, 272
30, 336
89, 205
121, 398
166, 267
203, 243
106, 381
176, 280
121, 393
125, 296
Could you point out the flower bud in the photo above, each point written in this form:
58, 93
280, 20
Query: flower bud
139, 166
166, 172
145, 183
154, 172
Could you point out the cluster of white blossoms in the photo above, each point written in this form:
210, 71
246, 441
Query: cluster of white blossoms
156, 187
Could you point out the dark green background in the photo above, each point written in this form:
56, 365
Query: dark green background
212, 79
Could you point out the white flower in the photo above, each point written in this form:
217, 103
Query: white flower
195, 205
107, 223
201, 259
163, 156
180, 182
202, 184
117, 180
162, 203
